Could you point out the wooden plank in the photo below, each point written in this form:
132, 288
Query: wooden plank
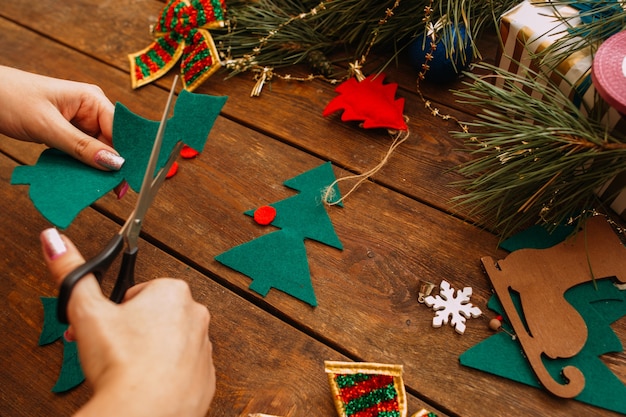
257, 356
421, 167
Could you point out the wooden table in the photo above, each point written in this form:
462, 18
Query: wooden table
269, 351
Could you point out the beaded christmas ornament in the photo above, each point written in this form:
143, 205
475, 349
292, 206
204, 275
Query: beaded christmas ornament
182, 31
369, 390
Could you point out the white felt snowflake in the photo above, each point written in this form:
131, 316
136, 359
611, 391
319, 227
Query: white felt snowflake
447, 306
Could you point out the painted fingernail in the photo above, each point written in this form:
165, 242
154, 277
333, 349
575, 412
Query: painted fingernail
52, 243
109, 160
68, 335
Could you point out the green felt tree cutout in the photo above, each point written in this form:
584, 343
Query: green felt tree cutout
503, 356
278, 260
61, 187
71, 374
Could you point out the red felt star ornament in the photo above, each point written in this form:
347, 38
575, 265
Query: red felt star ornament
371, 101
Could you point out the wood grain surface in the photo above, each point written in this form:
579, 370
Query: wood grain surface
269, 351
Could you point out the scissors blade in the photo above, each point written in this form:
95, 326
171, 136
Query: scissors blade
150, 184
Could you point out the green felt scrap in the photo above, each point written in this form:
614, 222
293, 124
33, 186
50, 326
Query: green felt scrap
52, 329
61, 187
278, 260
503, 356
537, 237
71, 374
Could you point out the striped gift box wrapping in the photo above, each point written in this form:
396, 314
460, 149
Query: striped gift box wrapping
528, 29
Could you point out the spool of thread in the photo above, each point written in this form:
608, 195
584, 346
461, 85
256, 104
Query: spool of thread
608, 72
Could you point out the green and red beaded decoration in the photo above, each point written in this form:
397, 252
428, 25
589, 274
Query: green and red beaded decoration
182, 31
369, 390
365, 395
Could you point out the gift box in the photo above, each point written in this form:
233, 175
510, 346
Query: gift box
526, 31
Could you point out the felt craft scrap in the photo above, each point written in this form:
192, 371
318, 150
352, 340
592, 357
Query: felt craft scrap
365, 389
371, 101
188, 153
71, 374
278, 259
173, 171
181, 31
61, 187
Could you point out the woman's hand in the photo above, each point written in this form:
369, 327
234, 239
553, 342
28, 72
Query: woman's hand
150, 355
73, 117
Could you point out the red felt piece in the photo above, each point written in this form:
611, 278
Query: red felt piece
264, 215
120, 190
187, 152
371, 101
173, 170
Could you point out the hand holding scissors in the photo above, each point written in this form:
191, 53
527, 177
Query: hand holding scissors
129, 233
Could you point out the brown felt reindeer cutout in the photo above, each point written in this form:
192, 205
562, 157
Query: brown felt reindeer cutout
547, 324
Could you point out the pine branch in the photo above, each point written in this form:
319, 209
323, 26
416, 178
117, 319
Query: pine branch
340, 26
535, 160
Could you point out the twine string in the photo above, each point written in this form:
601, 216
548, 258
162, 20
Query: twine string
399, 137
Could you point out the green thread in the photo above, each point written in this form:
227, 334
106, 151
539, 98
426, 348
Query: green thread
167, 47
202, 19
154, 57
145, 70
217, 9
370, 399
350, 380
177, 12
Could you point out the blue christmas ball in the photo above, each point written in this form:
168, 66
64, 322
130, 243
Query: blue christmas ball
444, 67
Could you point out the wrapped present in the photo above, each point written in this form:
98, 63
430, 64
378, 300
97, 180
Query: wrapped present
528, 29
614, 194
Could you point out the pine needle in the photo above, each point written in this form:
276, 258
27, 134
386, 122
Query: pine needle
536, 160
341, 27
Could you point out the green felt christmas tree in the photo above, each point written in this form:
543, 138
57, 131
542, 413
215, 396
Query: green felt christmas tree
61, 187
278, 260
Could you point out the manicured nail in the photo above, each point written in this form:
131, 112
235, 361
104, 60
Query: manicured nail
68, 335
109, 160
52, 243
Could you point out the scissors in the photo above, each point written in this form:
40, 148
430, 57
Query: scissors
129, 233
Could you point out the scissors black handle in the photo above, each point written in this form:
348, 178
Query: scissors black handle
126, 277
98, 265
